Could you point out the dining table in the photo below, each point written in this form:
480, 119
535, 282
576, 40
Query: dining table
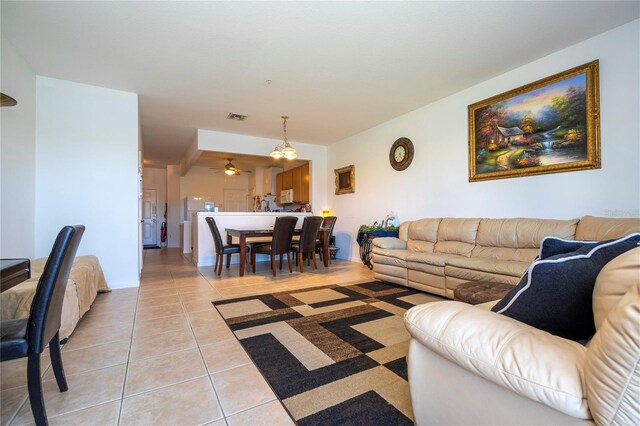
13, 272
243, 234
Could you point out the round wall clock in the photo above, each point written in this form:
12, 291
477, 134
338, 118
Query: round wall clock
401, 154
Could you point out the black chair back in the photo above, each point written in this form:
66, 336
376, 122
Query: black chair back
46, 309
310, 229
283, 234
329, 222
217, 239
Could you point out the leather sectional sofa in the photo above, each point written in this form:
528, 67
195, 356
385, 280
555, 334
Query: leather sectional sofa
436, 255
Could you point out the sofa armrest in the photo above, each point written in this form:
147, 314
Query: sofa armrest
525, 360
389, 243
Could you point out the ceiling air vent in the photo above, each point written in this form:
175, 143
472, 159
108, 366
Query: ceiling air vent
239, 117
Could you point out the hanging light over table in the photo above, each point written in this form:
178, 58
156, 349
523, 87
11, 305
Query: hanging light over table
284, 149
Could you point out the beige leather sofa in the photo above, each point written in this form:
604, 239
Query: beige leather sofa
468, 365
436, 255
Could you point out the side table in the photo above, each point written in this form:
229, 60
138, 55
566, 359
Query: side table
364, 241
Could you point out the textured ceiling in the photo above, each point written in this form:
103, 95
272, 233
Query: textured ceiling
336, 68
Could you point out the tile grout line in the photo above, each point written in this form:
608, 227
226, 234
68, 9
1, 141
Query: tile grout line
126, 369
213, 387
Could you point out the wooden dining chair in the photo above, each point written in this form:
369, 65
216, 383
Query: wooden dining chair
280, 242
307, 243
220, 248
327, 223
28, 337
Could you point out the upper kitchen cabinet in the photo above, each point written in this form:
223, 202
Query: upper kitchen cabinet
279, 187
297, 185
306, 183
298, 180
287, 180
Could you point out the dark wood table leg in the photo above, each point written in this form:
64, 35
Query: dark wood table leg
325, 247
243, 253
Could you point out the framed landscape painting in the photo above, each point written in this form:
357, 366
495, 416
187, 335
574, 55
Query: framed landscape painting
548, 126
345, 180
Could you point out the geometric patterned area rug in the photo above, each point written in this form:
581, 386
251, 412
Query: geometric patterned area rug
333, 354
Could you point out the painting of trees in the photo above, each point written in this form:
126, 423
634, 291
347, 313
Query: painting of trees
488, 120
545, 126
526, 124
571, 107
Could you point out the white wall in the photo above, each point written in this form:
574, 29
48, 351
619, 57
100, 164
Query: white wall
242, 144
155, 178
87, 172
436, 184
17, 156
202, 181
173, 204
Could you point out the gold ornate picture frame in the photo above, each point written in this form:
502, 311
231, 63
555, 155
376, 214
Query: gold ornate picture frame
548, 126
345, 180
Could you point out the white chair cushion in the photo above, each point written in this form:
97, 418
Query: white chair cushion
528, 361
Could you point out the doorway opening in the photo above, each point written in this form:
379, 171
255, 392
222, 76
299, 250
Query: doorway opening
150, 219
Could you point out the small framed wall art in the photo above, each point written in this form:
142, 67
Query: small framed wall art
345, 180
548, 126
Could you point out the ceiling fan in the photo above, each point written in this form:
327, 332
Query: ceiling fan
230, 169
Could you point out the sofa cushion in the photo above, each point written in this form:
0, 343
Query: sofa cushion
457, 236
393, 257
556, 293
423, 234
403, 230
605, 228
506, 253
389, 243
613, 282
611, 373
493, 266
518, 239
435, 259
511, 354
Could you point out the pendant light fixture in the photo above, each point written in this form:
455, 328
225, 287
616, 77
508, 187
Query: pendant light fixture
284, 149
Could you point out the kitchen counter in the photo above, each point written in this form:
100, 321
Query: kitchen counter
202, 241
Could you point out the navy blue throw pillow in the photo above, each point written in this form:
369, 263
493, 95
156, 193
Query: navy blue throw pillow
555, 293
552, 246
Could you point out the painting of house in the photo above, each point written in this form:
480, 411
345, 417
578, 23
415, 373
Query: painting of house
506, 135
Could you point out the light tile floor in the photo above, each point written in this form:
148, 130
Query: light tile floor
161, 354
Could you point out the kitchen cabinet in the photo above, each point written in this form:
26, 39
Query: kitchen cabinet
287, 180
305, 183
278, 187
296, 177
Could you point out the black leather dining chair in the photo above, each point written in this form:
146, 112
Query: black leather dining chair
328, 222
28, 337
221, 248
280, 242
307, 243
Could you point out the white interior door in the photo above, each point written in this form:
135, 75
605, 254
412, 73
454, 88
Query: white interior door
150, 217
235, 200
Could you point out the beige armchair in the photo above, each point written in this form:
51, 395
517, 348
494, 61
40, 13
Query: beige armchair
468, 365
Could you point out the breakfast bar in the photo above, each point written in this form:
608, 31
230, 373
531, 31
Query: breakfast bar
203, 249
